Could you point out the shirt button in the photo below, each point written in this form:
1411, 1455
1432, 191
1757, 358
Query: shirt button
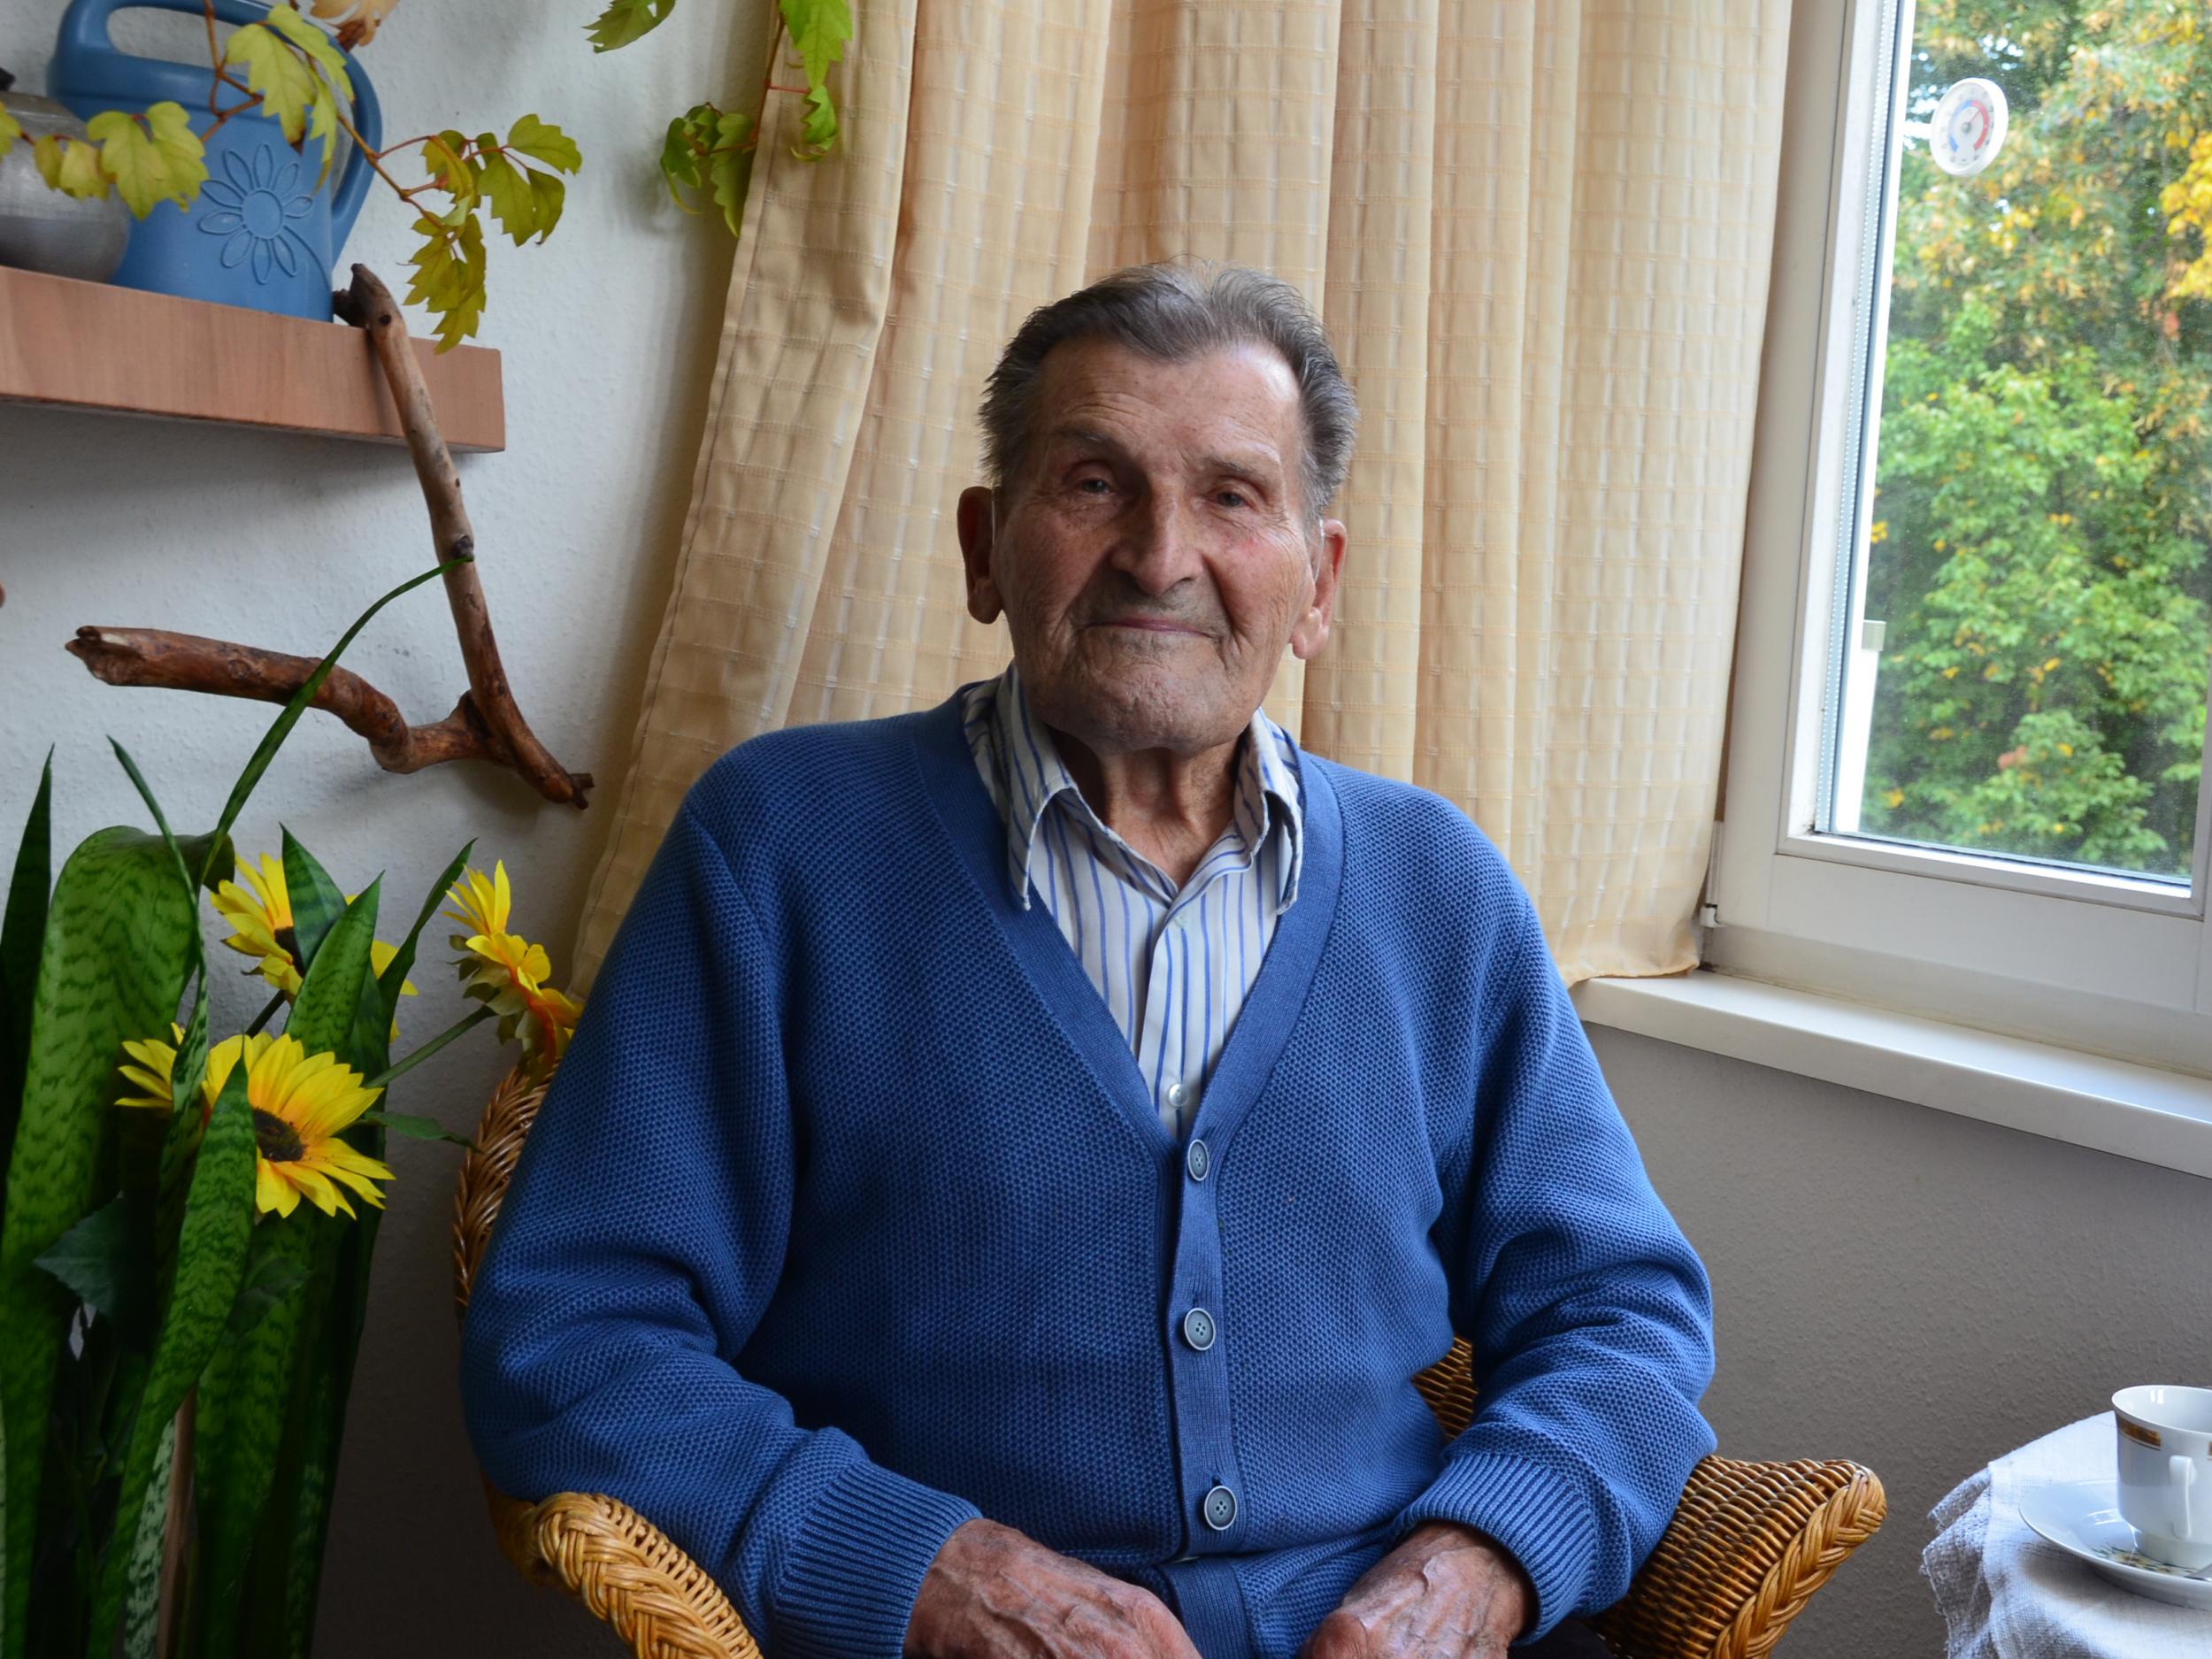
1176, 1093
1198, 1329
1197, 1161
1219, 1508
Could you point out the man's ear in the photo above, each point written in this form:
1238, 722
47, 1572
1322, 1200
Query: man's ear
978, 536
1311, 632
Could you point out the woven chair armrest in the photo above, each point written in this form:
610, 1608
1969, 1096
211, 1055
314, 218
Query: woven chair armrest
625, 1571
1748, 1545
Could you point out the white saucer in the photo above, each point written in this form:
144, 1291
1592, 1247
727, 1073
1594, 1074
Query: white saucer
2083, 1518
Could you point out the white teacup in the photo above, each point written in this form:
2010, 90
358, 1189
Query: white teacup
2166, 1470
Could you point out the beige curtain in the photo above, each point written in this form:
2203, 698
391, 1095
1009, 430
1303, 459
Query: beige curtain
1539, 233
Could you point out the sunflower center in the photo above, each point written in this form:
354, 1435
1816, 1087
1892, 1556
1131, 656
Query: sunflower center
276, 1140
288, 937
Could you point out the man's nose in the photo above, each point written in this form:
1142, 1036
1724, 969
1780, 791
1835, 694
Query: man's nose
1158, 546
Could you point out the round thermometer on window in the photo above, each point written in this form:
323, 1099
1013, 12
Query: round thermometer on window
1967, 128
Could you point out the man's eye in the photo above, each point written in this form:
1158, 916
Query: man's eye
1092, 486
1230, 498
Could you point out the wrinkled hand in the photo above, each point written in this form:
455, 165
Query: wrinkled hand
1444, 1593
993, 1593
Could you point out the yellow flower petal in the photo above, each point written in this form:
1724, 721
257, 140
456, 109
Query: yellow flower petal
273, 1195
303, 1102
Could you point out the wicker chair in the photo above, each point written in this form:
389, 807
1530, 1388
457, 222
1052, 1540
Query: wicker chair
1747, 1546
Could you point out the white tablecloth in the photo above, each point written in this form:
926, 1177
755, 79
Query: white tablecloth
2007, 1593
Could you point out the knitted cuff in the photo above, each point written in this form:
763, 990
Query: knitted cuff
848, 1583
1535, 1514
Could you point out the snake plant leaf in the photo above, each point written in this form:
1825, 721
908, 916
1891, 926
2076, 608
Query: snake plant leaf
266, 751
272, 1276
142, 1589
211, 1251
22, 930
328, 1385
157, 1156
243, 1407
317, 903
396, 970
287, 1574
180, 1143
119, 939
324, 1014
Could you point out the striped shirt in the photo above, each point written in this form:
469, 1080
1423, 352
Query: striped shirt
1173, 965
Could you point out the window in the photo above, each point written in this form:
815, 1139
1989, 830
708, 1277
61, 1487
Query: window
1968, 749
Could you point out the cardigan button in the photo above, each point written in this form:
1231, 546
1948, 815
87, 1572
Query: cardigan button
1197, 1161
1198, 1329
1219, 1508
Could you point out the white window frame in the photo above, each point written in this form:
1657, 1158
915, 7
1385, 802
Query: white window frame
2108, 964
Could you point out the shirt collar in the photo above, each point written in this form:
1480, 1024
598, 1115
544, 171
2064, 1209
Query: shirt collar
1270, 795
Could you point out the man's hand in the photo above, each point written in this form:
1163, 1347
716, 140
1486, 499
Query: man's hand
1444, 1593
994, 1593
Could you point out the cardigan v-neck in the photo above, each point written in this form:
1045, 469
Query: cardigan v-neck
977, 835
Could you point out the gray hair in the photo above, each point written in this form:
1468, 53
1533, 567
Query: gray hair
1173, 313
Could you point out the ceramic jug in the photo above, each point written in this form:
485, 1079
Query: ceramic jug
261, 233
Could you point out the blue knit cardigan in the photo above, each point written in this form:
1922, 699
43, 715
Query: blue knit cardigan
848, 1218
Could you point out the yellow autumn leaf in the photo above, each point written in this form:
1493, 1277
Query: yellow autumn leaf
70, 166
287, 86
10, 129
159, 161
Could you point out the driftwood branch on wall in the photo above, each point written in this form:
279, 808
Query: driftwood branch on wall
485, 723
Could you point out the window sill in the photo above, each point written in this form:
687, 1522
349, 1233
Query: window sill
2137, 1112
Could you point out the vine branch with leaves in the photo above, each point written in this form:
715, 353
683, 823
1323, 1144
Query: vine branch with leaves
294, 72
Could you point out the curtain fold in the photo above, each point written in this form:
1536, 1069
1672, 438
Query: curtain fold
1538, 236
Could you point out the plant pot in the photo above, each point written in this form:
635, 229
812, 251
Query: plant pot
43, 229
263, 233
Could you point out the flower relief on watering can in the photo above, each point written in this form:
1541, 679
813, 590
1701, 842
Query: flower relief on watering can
263, 232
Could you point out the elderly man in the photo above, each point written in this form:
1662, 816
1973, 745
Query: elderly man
1017, 1154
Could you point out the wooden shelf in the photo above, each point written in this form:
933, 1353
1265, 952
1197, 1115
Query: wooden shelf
86, 345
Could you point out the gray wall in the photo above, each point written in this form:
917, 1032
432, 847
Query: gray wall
1915, 1291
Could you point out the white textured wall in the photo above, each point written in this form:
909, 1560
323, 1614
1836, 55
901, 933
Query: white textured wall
608, 332
1916, 1291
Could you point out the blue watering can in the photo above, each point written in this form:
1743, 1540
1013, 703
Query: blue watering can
260, 234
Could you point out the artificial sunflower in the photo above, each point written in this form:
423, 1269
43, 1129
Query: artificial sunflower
300, 1103
155, 1073
505, 972
263, 919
